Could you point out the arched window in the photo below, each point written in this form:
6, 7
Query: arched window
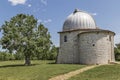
65, 38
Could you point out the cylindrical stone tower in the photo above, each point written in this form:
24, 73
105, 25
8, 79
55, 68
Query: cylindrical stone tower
96, 47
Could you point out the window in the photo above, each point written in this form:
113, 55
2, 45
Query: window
93, 44
65, 38
109, 38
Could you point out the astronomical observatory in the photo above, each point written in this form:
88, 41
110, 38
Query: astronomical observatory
82, 42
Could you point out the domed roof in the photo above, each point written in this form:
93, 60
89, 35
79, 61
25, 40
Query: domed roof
79, 20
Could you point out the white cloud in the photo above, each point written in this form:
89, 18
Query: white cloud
29, 5
44, 2
39, 20
16, 2
94, 14
45, 21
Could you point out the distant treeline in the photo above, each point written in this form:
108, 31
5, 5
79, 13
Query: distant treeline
51, 55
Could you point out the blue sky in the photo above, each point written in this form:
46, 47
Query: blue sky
52, 13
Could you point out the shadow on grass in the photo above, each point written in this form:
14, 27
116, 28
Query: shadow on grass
66, 63
17, 65
52, 63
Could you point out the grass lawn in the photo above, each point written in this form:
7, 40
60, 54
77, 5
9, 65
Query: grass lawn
105, 72
40, 70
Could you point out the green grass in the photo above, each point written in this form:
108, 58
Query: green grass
40, 70
105, 72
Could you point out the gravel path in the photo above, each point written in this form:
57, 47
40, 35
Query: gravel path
72, 73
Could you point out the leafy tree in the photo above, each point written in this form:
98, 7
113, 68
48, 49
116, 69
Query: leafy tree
53, 53
117, 52
22, 34
43, 42
19, 56
4, 56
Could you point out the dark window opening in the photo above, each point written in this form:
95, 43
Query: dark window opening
93, 44
65, 38
109, 38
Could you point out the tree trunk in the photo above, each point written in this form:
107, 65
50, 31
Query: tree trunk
27, 60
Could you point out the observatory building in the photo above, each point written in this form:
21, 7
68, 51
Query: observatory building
82, 42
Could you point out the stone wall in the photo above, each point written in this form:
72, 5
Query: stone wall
68, 51
96, 48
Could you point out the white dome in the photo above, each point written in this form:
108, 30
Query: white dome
79, 20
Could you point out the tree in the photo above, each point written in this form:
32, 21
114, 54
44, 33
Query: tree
22, 35
53, 53
4, 56
43, 42
19, 56
117, 52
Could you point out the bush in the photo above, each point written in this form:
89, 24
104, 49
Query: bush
53, 53
117, 52
4, 56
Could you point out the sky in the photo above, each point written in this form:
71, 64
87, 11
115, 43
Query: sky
52, 13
